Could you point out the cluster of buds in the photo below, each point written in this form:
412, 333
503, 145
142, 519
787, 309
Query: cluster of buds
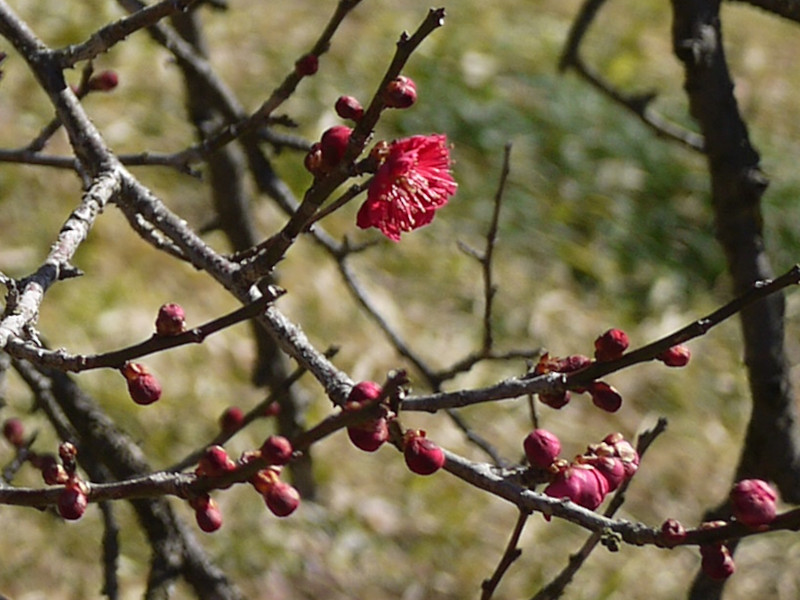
603, 395
589, 477
143, 387
73, 499
326, 154
281, 498
609, 346
752, 503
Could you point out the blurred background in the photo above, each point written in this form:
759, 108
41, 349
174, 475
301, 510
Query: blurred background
603, 225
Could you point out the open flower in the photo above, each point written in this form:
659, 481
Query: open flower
412, 183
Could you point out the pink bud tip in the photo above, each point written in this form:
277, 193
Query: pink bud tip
604, 396
611, 345
14, 432
231, 419
207, 514
277, 450
72, 503
582, 484
333, 145
348, 107
105, 81
677, 356
143, 387
556, 400
541, 448
717, 562
364, 392
369, 436
282, 499
401, 92
307, 65
753, 502
422, 456
672, 532
171, 320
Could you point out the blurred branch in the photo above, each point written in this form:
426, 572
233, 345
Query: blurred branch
511, 554
106, 37
638, 104
788, 9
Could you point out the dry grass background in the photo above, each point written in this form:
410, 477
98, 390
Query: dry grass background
603, 225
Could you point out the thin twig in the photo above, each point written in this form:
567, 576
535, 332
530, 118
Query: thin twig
511, 554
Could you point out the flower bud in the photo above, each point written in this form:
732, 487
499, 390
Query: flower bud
672, 532
14, 432
143, 387
556, 400
604, 396
611, 467
348, 107
333, 145
753, 502
422, 456
282, 499
541, 448
214, 462
716, 561
277, 450
677, 356
624, 451
362, 393
401, 92
171, 320
231, 419
369, 436
206, 513
104, 81
582, 484
72, 503
611, 345
307, 65
313, 160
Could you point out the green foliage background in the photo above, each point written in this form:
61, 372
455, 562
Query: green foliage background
603, 225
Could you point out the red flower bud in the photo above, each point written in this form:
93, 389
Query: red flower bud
72, 503
677, 356
401, 92
422, 456
215, 462
541, 448
105, 81
364, 392
582, 484
14, 432
142, 386
611, 467
556, 400
232, 419
171, 320
277, 450
624, 451
348, 107
53, 472
272, 409
333, 145
610, 345
717, 562
604, 396
753, 502
307, 65
672, 532
313, 160
206, 513
282, 499
369, 436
